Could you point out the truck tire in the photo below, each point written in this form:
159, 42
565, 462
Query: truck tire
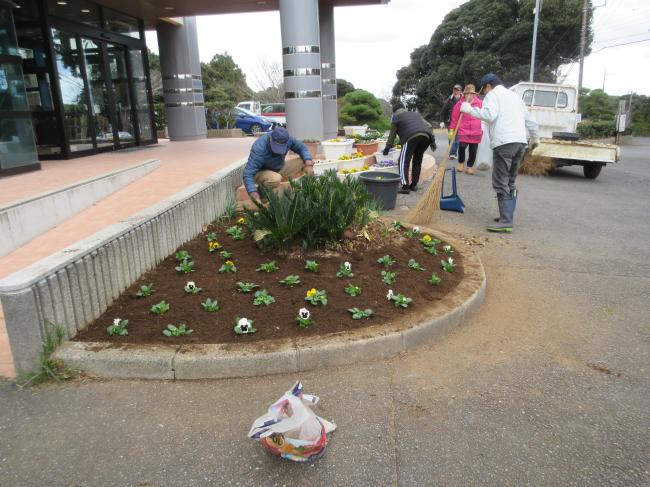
591, 171
565, 136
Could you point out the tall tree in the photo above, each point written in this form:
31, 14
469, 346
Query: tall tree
361, 107
224, 83
343, 87
484, 36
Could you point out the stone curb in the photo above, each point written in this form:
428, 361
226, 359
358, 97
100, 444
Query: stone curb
219, 361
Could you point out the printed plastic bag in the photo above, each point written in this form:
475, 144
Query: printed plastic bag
484, 152
290, 429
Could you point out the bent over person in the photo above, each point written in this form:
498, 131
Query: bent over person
266, 163
415, 134
509, 123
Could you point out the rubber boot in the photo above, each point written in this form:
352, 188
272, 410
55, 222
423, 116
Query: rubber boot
506, 210
514, 197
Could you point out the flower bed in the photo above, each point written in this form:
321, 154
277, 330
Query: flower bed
230, 278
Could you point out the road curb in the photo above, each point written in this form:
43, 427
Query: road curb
218, 361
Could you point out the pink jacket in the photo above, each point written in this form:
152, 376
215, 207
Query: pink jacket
470, 130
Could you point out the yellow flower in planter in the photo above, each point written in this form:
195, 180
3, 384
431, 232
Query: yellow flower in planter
212, 246
241, 221
426, 238
311, 292
229, 263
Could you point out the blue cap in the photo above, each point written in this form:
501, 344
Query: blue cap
280, 140
491, 79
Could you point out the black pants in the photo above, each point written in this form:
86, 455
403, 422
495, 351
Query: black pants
414, 148
472, 153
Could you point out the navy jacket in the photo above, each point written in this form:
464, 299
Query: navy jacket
261, 157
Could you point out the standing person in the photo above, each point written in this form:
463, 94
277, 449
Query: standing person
447, 109
509, 124
266, 164
470, 131
415, 134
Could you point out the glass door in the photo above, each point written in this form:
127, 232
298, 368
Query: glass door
121, 90
102, 124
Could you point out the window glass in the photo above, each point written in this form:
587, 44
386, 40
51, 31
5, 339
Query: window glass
12, 88
74, 93
16, 143
142, 107
121, 94
7, 33
75, 10
562, 100
545, 98
26, 11
121, 23
528, 97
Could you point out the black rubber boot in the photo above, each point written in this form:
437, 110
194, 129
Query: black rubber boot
404, 189
506, 210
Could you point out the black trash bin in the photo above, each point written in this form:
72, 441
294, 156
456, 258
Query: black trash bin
382, 186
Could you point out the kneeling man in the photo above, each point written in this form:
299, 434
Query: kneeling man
267, 165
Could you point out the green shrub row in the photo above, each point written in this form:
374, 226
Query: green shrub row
596, 129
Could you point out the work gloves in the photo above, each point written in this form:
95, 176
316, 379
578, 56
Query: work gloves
532, 144
442, 125
385, 151
466, 107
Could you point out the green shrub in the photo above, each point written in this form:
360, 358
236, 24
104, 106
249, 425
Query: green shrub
596, 129
312, 212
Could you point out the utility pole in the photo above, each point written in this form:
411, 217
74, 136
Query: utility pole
532, 54
583, 44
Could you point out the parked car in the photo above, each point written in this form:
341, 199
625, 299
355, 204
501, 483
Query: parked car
251, 123
275, 112
251, 106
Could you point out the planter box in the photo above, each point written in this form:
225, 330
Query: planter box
321, 167
367, 148
351, 163
334, 150
355, 129
224, 133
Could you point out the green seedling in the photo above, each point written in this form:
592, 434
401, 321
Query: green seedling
235, 232
228, 267
316, 297
160, 308
145, 290
352, 290
176, 331
388, 277
118, 327
386, 261
268, 267
246, 287
182, 255
210, 305
434, 280
415, 265
185, 267
224, 254
448, 265
291, 280
312, 266
345, 270
357, 313
263, 298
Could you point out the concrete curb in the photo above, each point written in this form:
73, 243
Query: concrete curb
218, 361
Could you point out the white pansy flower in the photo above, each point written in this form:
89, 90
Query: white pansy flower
416, 229
244, 324
117, 321
389, 295
347, 265
190, 285
447, 248
451, 261
304, 313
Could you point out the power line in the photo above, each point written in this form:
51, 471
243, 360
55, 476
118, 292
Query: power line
623, 44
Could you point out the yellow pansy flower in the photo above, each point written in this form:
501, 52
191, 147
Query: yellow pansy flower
241, 221
311, 292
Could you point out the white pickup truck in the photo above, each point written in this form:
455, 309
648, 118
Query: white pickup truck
554, 108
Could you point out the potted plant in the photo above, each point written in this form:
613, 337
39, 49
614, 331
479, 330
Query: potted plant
368, 144
353, 161
333, 149
355, 129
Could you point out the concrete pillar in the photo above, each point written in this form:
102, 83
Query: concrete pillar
181, 73
301, 62
328, 70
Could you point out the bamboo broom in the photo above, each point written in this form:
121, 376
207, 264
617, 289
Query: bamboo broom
429, 204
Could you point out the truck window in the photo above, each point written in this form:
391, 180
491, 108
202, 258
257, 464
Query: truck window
528, 97
562, 100
545, 98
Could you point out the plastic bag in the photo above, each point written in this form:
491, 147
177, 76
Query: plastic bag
484, 151
290, 429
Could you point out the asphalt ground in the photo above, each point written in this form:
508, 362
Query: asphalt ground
547, 384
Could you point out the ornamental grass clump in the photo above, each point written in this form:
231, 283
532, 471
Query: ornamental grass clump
145, 290
313, 212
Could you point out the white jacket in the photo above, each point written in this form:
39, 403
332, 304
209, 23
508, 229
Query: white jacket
507, 117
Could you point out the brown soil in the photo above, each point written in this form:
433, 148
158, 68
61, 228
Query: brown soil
279, 319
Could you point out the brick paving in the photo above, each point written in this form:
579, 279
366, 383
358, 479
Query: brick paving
181, 165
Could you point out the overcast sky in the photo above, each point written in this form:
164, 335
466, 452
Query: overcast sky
372, 43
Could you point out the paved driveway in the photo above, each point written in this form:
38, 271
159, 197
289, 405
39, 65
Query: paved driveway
548, 384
